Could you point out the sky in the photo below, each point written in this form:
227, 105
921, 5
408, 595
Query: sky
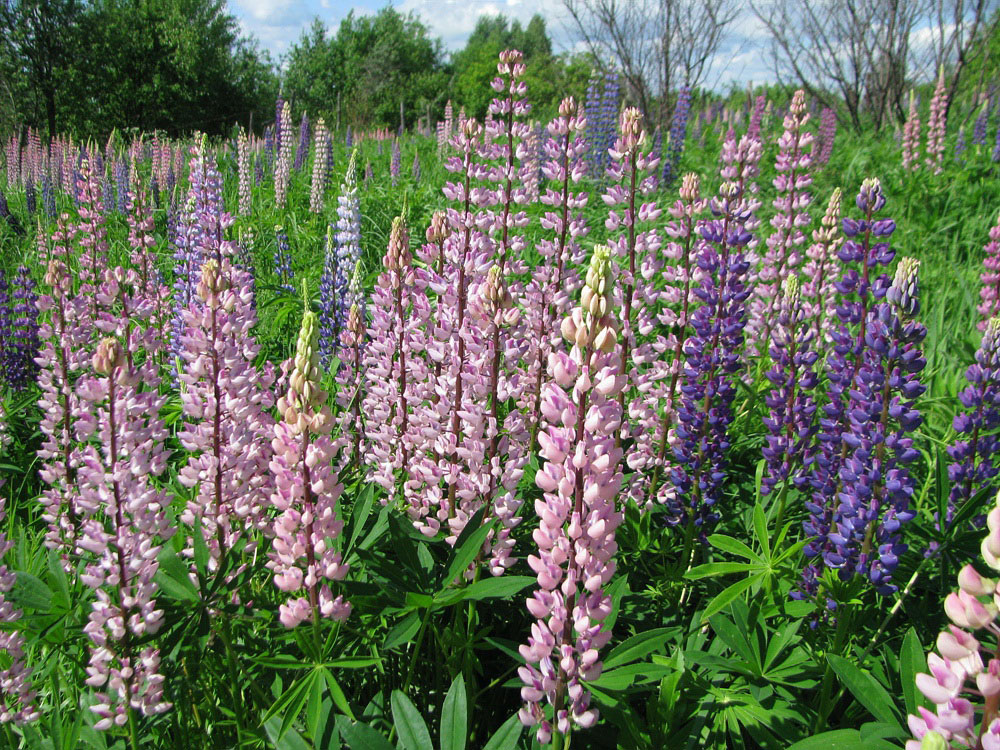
278, 24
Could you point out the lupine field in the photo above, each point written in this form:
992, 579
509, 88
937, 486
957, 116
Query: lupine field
504, 434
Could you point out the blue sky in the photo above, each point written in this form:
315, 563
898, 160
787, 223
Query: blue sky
277, 24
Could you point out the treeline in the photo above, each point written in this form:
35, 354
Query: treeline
178, 66
89, 67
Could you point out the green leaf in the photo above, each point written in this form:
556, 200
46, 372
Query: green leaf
760, 529
455, 716
911, 661
339, 699
200, 548
172, 577
709, 570
403, 632
288, 740
839, 739
733, 546
29, 592
409, 723
290, 713
497, 588
637, 646
865, 688
506, 737
362, 509
314, 707
466, 553
726, 597
361, 736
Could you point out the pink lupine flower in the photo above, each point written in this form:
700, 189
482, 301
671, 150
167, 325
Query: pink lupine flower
319, 176
283, 164
911, 136
989, 292
578, 515
225, 401
936, 125
243, 169
820, 272
306, 491
122, 535
17, 696
784, 254
967, 666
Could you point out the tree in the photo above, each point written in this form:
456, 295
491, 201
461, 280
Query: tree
657, 45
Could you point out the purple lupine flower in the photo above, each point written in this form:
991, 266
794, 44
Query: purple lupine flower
21, 343
979, 128
283, 166
320, 177
960, 144
328, 301
303, 149
712, 359
821, 268
48, 196
283, 260
790, 401
349, 138
31, 197
348, 243
678, 131
121, 183
415, 170
877, 487
243, 173
996, 146
757, 118
395, 162
972, 453
867, 248
592, 112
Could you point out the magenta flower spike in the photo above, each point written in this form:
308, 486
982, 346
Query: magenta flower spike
319, 172
911, 136
821, 270
936, 125
306, 490
283, 164
578, 514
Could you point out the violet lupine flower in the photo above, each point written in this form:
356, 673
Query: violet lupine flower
243, 169
876, 486
328, 301
349, 137
867, 247
989, 292
17, 695
827, 134
283, 260
20, 344
350, 423
395, 162
712, 360
960, 144
226, 426
979, 128
578, 515
821, 269
283, 164
911, 136
964, 665
790, 401
395, 374
348, 241
936, 126
48, 197
31, 196
783, 255
306, 492
319, 175
303, 149
678, 132
973, 468
123, 533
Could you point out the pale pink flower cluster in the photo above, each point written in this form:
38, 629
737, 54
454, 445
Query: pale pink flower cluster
784, 245
225, 401
17, 696
964, 664
306, 491
652, 459
822, 269
243, 170
283, 164
319, 176
577, 514
126, 524
911, 136
989, 292
936, 125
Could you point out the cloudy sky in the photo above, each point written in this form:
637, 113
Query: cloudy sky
277, 24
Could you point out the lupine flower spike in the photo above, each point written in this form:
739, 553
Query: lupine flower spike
578, 514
